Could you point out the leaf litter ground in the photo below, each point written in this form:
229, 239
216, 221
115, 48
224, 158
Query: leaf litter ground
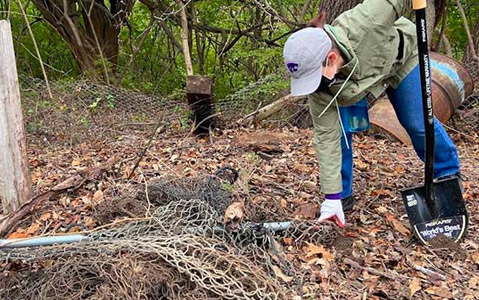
371, 258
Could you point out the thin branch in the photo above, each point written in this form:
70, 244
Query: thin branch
184, 38
447, 46
36, 49
70, 22
472, 49
169, 33
35, 57
137, 49
305, 8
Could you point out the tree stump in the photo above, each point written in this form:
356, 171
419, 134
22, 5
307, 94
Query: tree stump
199, 92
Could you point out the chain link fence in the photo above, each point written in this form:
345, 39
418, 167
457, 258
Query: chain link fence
473, 100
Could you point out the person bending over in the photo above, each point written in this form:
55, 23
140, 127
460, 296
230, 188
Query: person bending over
366, 51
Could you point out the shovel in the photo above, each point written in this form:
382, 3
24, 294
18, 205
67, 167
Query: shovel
437, 208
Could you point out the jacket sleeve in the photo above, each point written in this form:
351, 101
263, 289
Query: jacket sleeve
372, 14
327, 139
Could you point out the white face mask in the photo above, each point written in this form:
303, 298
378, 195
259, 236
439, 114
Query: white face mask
328, 65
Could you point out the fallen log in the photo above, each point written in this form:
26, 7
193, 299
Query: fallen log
10, 221
270, 109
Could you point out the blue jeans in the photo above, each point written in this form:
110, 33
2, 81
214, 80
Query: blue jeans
407, 103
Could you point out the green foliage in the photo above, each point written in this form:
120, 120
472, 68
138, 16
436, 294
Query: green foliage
238, 66
227, 187
55, 53
109, 99
455, 26
455, 31
85, 121
184, 116
253, 158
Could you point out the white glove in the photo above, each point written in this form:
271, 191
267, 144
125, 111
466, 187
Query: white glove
332, 210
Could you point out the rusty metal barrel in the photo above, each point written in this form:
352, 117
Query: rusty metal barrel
451, 85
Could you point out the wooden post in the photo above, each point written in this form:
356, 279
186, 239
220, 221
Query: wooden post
199, 92
199, 89
15, 183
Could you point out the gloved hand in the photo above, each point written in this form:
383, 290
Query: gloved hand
332, 210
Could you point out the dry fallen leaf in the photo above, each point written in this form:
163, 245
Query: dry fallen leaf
277, 271
381, 209
288, 241
234, 214
45, 216
398, 225
362, 166
86, 200
381, 192
440, 291
97, 196
33, 228
307, 211
414, 286
312, 250
89, 221
473, 282
17, 235
75, 229
475, 257
301, 168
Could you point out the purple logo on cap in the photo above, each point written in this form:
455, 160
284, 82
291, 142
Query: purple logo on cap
292, 67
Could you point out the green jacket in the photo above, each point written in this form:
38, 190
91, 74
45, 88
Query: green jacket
368, 38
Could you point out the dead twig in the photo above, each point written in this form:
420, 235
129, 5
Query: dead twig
39, 57
8, 223
140, 157
354, 264
426, 271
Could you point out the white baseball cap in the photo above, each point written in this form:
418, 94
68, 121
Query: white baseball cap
304, 53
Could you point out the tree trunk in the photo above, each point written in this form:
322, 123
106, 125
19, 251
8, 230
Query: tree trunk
90, 29
430, 23
271, 109
334, 8
434, 13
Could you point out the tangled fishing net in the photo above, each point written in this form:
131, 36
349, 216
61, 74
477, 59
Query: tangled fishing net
182, 250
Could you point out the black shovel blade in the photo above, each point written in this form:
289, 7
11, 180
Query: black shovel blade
447, 216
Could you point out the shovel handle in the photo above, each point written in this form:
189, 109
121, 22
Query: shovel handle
419, 4
425, 70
